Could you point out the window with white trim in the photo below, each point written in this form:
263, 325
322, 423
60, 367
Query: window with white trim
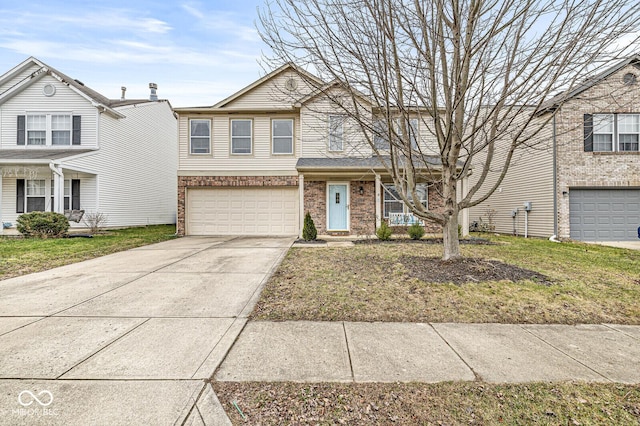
36, 195
241, 136
380, 135
336, 132
282, 136
613, 133
394, 204
412, 127
48, 129
200, 136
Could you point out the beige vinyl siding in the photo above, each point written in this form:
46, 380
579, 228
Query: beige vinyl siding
136, 166
315, 131
272, 93
31, 99
221, 159
19, 77
529, 178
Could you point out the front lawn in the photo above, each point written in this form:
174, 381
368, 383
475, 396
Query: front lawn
20, 256
563, 283
469, 403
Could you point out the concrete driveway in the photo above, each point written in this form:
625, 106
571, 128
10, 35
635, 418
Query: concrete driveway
129, 338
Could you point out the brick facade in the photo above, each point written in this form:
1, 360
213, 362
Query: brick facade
577, 168
185, 182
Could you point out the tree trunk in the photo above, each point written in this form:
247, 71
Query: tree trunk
450, 238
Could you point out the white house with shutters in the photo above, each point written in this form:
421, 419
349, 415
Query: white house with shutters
63, 147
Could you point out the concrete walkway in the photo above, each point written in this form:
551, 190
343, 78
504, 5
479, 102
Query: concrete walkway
408, 352
130, 338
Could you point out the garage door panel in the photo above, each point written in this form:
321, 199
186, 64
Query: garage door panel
242, 211
604, 214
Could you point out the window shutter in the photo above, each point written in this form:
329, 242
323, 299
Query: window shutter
77, 125
75, 194
20, 196
588, 133
21, 129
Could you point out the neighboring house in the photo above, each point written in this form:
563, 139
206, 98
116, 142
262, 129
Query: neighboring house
583, 176
64, 147
257, 161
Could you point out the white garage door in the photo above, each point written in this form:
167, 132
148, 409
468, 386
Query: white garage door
242, 211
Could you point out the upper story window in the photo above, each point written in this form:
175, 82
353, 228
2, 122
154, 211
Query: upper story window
282, 136
241, 136
412, 128
381, 134
336, 133
200, 137
612, 132
49, 129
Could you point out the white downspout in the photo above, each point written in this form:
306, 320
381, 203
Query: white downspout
526, 223
58, 187
378, 202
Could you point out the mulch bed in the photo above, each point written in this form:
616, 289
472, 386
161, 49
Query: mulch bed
474, 241
466, 270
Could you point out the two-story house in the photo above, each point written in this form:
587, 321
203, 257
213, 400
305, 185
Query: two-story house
64, 146
582, 177
259, 160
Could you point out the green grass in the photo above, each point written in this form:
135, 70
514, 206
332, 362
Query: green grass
470, 403
19, 256
590, 284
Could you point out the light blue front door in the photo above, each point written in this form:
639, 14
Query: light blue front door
338, 212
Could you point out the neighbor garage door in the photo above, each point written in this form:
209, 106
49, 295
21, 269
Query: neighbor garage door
604, 214
242, 211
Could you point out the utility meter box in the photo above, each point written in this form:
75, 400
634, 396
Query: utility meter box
514, 212
527, 206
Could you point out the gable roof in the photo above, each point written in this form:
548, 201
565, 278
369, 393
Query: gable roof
562, 97
271, 75
326, 87
99, 100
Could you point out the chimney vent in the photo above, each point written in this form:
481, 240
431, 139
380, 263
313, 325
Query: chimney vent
153, 96
124, 89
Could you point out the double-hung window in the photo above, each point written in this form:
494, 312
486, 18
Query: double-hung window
282, 136
241, 136
200, 137
336, 133
612, 132
36, 195
49, 129
394, 206
380, 135
412, 128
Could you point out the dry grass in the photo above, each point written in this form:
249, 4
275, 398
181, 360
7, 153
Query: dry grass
430, 404
589, 284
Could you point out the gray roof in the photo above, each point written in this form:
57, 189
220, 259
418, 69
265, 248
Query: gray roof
357, 163
39, 154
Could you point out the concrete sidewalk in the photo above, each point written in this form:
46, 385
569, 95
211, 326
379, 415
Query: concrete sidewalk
409, 352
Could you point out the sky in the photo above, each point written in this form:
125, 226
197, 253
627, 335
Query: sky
198, 52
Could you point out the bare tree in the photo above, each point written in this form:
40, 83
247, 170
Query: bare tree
473, 72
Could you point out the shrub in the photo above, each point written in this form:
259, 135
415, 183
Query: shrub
384, 232
42, 224
416, 231
95, 221
309, 232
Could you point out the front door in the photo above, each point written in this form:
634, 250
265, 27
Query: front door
338, 207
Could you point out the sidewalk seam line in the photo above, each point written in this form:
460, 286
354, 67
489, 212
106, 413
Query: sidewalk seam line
214, 347
103, 348
195, 402
346, 339
566, 354
476, 375
620, 331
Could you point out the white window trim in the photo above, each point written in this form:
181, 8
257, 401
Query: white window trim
293, 132
48, 128
250, 136
200, 137
405, 208
27, 196
342, 118
618, 133
615, 133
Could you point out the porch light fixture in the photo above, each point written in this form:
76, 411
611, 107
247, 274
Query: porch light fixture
361, 190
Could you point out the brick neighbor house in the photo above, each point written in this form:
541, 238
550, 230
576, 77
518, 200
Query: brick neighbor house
582, 178
259, 160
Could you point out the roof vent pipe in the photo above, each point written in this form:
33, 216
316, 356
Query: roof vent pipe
153, 96
124, 89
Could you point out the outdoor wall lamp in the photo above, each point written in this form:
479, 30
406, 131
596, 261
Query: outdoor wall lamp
361, 190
